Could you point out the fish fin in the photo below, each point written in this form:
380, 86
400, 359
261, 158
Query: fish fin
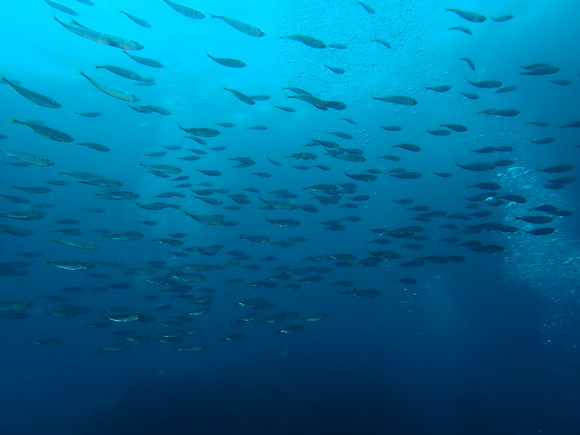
76, 23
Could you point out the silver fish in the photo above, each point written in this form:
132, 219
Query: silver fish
49, 133
31, 159
113, 92
246, 28
136, 20
35, 97
101, 37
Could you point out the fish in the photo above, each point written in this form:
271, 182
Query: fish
89, 114
335, 69
168, 169
361, 293
535, 219
35, 97
574, 124
540, 70
366, 7
140, 21
292, 329
118, 195
153, 63
192, 348
29, 159
71, 265
408, 147
62, 8
505, 90
502, 18
284, 223
544, 140
455, 127
486, 84
311, 99
78, 243
307, 40
122, 72
101, 37
556, 168
502, 112
439, 132
469, 62
463, 29
486, 186
201, 131
229, 62
47, 132
440, 88
114, 348
245, 28
33, 189
477, 166
102, 182
286, 108
234, 338
383, 43
47, 341
185, 10
361, 177
541, 231
474, 17
398, 99
95, 146
242, 97
407, 175
214, 220
113, 92
13, 306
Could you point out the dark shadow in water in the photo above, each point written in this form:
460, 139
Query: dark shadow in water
192, 407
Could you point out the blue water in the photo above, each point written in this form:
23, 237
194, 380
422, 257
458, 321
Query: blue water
486, 345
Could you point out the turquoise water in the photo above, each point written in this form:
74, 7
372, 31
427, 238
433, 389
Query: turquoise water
326, 217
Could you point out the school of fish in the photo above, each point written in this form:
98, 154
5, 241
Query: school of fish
166, 298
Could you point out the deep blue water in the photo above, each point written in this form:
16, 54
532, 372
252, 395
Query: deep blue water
482, 343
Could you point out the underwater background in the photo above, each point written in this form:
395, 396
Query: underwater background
305, 218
